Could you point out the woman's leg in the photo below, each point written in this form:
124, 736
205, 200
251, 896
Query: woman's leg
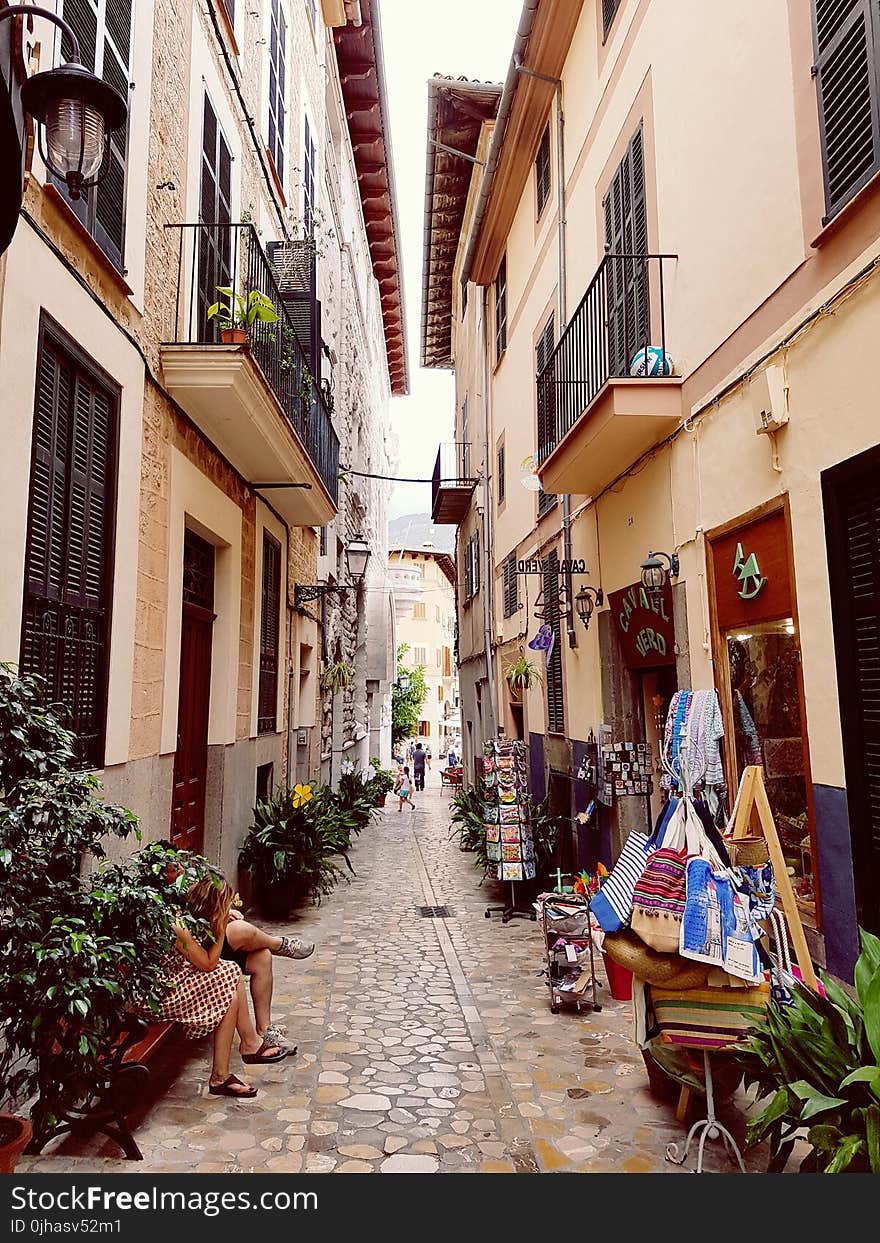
244, 936
250, 1040
259, 970
223, 1034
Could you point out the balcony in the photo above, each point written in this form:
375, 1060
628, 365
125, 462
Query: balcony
452, 484
258, 401
598, 410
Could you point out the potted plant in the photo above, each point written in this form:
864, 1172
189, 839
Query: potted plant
82, 940
382, 782
355, 796
237, 314
819, 1057
15, 1135
521, 674
338, 676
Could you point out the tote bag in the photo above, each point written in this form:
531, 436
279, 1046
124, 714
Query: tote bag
659, 895
613, 904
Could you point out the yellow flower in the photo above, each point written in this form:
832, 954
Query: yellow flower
301, 795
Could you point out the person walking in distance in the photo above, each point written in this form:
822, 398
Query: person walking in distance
419, 758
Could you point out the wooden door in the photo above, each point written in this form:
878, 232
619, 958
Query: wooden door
191, 756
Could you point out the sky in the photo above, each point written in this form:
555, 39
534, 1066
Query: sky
454, 37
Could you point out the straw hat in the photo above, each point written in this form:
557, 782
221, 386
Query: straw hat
662, 970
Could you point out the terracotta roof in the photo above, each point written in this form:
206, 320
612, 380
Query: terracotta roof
457, 110
362, 76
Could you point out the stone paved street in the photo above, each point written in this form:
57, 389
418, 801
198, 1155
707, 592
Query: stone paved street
424, 1045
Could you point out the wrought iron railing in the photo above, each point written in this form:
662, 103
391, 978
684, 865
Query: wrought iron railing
622, 315
230, 255
453, 468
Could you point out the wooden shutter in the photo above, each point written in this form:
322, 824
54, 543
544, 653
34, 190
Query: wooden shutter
277, 86
546, 405
502, 481
501, 309
626, 233
846, 35
555, 698
270, 606
70, 539
511, 586
609, 11
309, 161
542, 172
215, 213
103, 28
295, 273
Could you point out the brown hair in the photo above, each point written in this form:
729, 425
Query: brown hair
211, 899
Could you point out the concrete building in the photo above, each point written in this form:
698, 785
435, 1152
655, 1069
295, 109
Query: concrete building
706, 186
166, 490
423, 582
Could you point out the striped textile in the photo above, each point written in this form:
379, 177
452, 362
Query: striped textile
612, 905
704, 1018
661, 887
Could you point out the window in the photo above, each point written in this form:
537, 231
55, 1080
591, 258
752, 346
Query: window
447, 662
270, 607
511, 585
499, 459
437, 611
555, 698
609, 12
475, 554
265, 781
438, 657
420, 655
419, 611
626, 233
322, 542
424, 729
309, 161
501, 309
104, 33
846, 35
465, 442
472, 566
229, 6
440, 694
215, 208
70, 537
542, 172
543, 354
277, 86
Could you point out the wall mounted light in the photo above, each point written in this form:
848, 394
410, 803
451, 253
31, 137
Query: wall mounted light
586, 601
357, 554
402, 683
77, 112
655, 574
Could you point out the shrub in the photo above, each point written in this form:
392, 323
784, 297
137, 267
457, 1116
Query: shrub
297, 836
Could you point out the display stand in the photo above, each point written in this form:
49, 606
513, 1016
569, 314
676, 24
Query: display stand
511, 911
752, 809
507, 814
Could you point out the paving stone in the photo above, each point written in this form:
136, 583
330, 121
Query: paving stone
363, 1152
394, 1143
405, 1163
367, 1102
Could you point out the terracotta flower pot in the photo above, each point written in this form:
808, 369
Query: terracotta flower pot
619, 979
233, 336
15, 1135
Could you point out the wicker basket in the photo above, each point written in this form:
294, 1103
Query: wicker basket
748, 851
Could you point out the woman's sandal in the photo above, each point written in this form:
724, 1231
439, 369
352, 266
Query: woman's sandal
258, 1058
227, 1088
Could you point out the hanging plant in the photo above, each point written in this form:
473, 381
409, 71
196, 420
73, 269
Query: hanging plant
522, 674
338, 676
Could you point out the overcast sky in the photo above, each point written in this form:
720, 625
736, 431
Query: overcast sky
470, 37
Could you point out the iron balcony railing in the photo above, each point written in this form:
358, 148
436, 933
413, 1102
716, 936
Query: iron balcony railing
452, 468
621, 315
230, 256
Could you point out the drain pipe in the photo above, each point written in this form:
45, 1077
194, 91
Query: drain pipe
488, 559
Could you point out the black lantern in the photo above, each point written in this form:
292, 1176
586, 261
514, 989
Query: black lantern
77, 113
403, 683
586, 601
357, 554
655, 574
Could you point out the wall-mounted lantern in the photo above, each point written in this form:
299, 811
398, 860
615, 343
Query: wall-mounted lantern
655, 573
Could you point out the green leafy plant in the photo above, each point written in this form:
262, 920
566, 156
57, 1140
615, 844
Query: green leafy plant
545, 830
406, 706
295, 839
382, 782
235, 310
468, 823
338, 676
820, 1059
82, 940
355, 797
521, 674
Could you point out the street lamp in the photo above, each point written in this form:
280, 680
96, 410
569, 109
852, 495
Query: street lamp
403, 683
357, 554
586, 601
655, 574
77, 112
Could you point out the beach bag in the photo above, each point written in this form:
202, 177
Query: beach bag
716, 926
613, 904
659, 894
710, 1018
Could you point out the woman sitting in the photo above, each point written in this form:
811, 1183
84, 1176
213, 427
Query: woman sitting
203, 993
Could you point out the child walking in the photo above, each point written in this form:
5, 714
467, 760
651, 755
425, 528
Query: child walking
404, 789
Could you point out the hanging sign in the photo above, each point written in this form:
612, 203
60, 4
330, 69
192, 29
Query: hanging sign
750, 572
644, 625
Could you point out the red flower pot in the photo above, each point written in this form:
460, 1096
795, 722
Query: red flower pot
233, 336
619, 979
15, 1135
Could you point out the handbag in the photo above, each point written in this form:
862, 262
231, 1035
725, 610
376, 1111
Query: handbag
659, 894
613, 904
711, 1018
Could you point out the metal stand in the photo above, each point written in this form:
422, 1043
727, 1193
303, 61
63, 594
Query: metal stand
707, 1128
511, 910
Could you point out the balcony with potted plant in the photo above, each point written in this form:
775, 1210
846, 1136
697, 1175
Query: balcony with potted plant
235, 365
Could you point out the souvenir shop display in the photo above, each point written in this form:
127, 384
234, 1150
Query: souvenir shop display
588, 769
628, 767
507, 816
691, 756
570, 965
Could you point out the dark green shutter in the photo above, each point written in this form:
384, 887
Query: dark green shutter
511, 586
555, 696
267, 709
626, 234
546, 405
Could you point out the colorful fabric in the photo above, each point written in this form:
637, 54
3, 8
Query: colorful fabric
195, 999
659, 899
715, 928
712, 1018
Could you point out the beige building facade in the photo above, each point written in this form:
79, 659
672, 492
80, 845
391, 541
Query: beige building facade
695, 198
423, 582
166, 491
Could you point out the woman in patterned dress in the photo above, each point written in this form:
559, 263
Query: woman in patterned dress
203, 996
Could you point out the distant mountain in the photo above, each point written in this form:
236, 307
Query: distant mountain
413, 530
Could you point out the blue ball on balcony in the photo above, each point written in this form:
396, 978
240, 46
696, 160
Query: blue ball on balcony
651, 361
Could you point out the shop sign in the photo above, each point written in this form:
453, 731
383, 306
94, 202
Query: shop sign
751, 573
644, 626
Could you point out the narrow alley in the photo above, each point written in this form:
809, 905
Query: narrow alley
424, 1045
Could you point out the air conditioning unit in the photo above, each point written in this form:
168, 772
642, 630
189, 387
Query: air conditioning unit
769, 394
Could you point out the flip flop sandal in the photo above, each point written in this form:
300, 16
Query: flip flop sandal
257, 1059
226, 1088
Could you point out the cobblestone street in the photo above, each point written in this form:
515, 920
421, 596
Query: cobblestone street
424, 1045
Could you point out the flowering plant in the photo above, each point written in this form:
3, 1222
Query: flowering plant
589, 884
